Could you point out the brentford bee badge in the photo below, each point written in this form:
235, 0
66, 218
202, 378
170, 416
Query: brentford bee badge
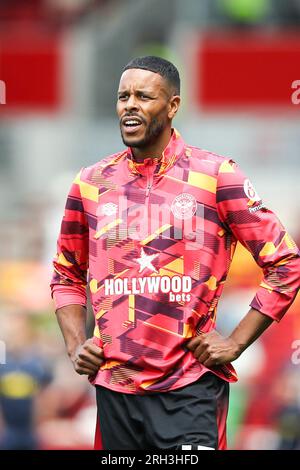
184, 206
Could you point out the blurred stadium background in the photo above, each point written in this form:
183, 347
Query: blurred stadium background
60, 63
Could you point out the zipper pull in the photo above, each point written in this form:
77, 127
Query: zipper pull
148, 189
149, 180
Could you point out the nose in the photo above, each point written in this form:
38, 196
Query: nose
131, 103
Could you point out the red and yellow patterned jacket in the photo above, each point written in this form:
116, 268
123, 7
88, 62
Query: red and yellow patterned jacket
154, 243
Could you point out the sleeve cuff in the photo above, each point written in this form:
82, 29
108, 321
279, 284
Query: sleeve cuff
64, 295
271, 303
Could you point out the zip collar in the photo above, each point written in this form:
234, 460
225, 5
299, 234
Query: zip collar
169, 156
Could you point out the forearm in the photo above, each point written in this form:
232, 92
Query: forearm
213, 349
84, 354
249, 329
72, 322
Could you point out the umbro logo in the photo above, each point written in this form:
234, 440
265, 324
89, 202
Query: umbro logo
109, 208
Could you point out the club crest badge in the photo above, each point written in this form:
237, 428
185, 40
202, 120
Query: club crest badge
184, 206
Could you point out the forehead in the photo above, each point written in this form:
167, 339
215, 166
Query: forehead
141, 79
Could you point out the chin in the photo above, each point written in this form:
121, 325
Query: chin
132, 141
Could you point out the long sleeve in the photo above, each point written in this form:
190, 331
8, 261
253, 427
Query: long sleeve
68, 284
242, 212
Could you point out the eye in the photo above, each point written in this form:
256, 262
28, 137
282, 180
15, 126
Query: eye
122, 97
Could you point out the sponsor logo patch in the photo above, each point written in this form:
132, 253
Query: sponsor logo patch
250, 191
257, 208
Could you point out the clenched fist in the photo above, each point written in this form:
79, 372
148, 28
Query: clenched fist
88, 358
212, 349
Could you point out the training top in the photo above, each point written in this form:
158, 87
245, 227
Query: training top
154, 242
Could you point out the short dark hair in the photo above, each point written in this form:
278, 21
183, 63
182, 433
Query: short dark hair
157, 65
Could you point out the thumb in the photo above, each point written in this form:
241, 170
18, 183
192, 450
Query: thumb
194, 342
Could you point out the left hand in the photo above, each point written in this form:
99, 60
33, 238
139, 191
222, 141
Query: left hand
213, 349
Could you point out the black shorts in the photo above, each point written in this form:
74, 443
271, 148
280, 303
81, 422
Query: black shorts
191, 417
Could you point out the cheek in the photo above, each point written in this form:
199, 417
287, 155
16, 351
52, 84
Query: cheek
163, 117
119, 109
164, 112
160, 115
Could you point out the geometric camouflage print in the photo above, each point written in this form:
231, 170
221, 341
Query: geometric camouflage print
154, 242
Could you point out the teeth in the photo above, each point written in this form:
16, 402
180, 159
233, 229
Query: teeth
132, 123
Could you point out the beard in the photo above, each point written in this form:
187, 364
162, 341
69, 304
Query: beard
153, 131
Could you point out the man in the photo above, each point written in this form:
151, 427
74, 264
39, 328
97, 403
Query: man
23, 375
157, 225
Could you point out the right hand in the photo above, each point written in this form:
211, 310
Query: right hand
88, 358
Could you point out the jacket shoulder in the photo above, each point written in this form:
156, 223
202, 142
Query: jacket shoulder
90, 173
205, 161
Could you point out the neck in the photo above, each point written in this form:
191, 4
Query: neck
152, 151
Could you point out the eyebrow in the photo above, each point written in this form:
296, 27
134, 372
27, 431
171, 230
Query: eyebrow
139, 92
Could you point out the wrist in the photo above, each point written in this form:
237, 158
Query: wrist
237, 346
73, 349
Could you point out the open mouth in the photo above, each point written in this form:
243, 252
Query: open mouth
131, 124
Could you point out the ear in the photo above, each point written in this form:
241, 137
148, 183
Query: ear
174, 104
